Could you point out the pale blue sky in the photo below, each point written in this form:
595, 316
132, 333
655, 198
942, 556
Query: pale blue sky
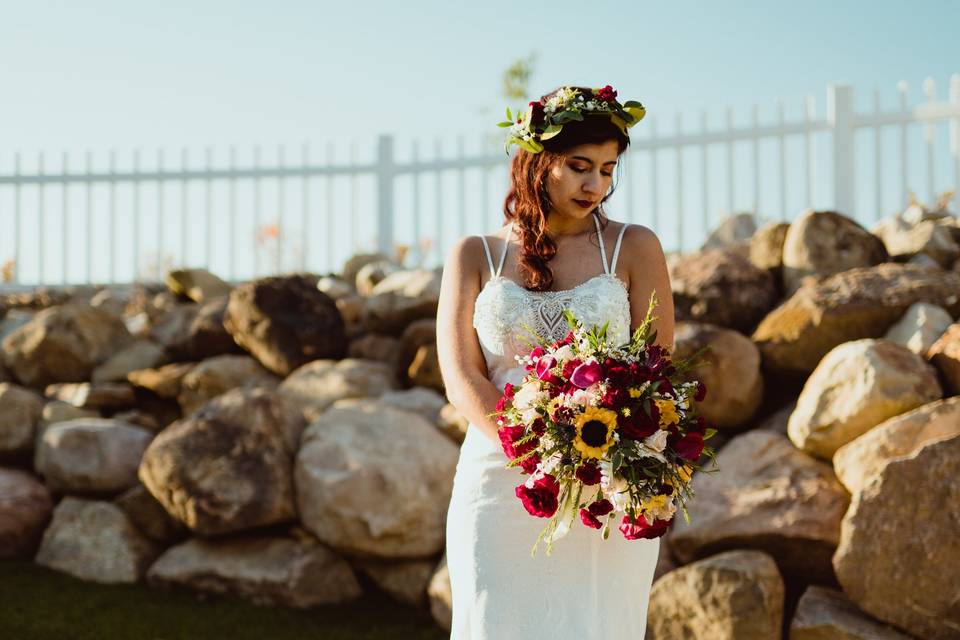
110, 74
103, 73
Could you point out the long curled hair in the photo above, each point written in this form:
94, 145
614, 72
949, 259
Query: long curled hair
527, 203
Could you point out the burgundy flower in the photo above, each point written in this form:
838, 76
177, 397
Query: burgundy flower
640, 424
701, 391
508, 391
690, 446
537, 114
570, 367
539, 427
501, 403
588, 474
666, 388
601, 507
637, 529
589, 519
607, 94
541, 499
587, 374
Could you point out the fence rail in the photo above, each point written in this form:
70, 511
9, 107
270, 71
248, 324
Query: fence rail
114, 224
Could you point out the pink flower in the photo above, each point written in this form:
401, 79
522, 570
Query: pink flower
544, 364
587, 374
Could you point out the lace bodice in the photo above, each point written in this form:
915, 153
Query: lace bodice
503, 308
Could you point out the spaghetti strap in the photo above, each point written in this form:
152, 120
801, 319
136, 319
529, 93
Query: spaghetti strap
486, 250
616, 249
503, 255
603, 252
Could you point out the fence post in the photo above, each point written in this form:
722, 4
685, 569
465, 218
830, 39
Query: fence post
385, 174
840, 117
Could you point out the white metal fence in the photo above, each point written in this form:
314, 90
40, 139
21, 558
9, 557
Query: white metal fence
246, 217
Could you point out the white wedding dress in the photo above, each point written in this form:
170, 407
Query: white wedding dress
588, 587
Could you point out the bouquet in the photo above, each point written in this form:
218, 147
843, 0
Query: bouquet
607, 432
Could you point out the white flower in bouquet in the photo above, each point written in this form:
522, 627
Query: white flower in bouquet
564, 354
657, 442
528, 396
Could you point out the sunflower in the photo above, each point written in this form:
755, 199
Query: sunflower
595, 428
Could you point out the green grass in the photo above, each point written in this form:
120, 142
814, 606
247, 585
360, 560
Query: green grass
37, 603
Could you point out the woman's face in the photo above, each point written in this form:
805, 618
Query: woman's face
582, 178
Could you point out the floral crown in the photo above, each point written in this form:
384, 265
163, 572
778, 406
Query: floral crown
543, 120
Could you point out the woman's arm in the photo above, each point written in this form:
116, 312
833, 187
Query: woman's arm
647, 267
462, 365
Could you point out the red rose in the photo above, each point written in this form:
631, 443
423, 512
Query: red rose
690, 446
508, 391
606, 94
588, 474
636, 529
601, 507
541, 499
640, 424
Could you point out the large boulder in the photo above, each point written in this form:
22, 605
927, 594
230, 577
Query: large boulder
95, 541
285, 322
165, 381
899, 552
766, 247
857, 386
140, 354
25, 509
926, 237
293, 572
375, 481
920, 327
228, 466
731, 372
316, 385
827, 614
417, 361
441, 598
91, 455
721, 287
63, 344
149, 516
405, 581
737, 595
732, 232
854, 304
20, 411
821, 243
770, 497
862, 459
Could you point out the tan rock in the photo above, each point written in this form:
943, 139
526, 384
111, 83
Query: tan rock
63, 344
95, 541
441, 598
731, 372
732, 231
25, 509
920, 327
927, 237
827, 614
737, 595
217, 375
822, 243
452, 423
227, 467
361, 455
194, 332
87, 395
899, 555
20, 410
854, 304
944, 354
400, 298
766, 246
403, 580
722, 288
265, 570
165, 381
197, 284
91, 455
857, 386
142, 354
767, 496
356, 262
426, 403
315, 386
371, 274
148, 515
374, 346
862, 459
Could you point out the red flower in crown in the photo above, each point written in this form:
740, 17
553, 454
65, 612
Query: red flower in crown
606, 94
537, 114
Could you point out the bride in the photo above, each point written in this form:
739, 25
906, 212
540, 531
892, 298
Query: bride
552, 254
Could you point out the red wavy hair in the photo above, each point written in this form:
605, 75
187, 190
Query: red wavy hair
527, 203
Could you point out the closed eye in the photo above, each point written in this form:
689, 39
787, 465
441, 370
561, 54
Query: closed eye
584, 171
